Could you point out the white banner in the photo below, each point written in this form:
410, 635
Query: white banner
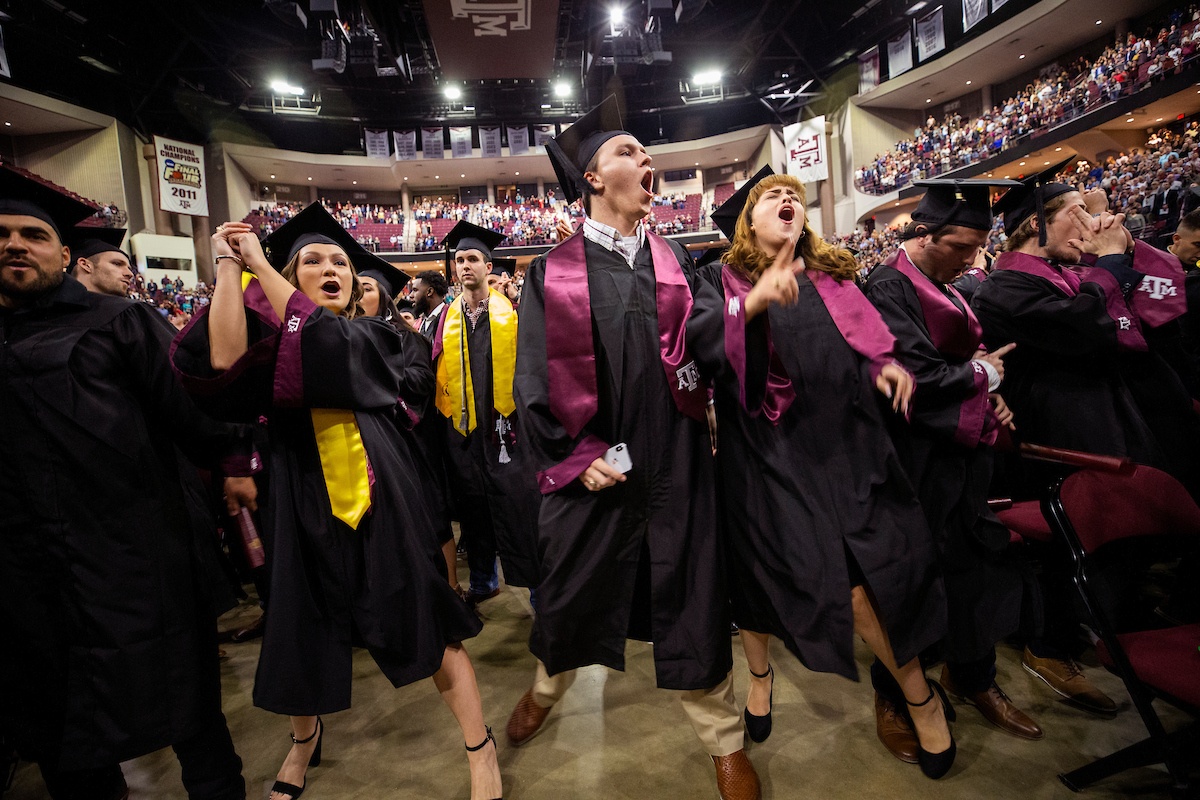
542, 134
518, 141
996, 5
489, 141
181, 185
406, 145
376, 143
931, 34
431, 143
868, 70
899, 52
974, 11
460, 141
4, 70
807, 153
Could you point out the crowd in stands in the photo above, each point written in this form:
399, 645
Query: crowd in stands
1057, 96
111, 216
268, 218
171, 298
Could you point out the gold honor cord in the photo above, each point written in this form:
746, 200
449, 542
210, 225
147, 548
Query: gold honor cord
454, 374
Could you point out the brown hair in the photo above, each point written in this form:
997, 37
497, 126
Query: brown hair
352, 309
749, 260
1025, 231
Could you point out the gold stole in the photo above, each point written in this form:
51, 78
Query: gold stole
455, 391
343, 457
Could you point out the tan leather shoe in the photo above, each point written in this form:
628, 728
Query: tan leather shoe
894, 731
736, 778
1066, 678
525, 720
996, 708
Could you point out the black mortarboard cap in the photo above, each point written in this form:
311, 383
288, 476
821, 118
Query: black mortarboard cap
712, 254
391, 278
726, 216
1022, 202
572, 150
465, 236
23, 194
90, 241
966, 203
314, 225
501, 266
404, 304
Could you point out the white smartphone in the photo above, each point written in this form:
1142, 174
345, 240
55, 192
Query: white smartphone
618, 458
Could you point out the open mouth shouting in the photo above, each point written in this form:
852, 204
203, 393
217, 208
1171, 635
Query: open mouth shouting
648, 182
331, 288
787, 213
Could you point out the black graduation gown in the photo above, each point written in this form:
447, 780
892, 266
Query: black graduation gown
109, 649
496, 502
798, 497
983, 588
661, 522
1069, 385
382, 585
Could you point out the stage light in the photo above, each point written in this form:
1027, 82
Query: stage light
453, 93
283, 87
562, 89
272, 177
707, 77
1021, 56
545, 106
616, 15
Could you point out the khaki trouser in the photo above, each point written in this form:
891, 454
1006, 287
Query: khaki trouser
713, 712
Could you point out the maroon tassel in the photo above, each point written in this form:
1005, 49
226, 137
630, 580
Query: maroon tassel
251, 543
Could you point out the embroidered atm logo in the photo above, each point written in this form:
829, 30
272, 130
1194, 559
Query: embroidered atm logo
1124, 323
1158, 288
294, 323
735, 306
688, 375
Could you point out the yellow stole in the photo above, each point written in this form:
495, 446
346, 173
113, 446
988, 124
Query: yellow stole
455, 391
343, 457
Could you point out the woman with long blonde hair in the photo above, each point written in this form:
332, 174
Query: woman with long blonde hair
827, 538
352, 547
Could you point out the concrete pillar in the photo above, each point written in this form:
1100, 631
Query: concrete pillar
985, 97
541, 184
201, 231
1122, 30
828, 218
163, 224
491, 192
312, 194
406, 201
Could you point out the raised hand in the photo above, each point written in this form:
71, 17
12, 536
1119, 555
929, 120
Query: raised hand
777, 283
996, 357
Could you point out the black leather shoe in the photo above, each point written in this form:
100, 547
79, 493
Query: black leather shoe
935, 765
759, 728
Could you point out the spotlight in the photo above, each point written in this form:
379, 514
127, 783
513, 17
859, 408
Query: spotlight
707, 77
562, 89
453, 93
283, 87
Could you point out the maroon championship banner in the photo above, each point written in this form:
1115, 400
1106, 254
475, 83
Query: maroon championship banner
493, 38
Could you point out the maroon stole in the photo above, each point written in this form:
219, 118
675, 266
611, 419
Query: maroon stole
856, 319
1067, 279
956, 333
571, 355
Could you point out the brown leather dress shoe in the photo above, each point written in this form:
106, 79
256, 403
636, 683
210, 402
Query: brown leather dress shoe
1066, 678
894, 731
251, 631
736, 778
525, 720
996, 708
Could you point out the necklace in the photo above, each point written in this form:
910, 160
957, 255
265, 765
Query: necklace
473, 314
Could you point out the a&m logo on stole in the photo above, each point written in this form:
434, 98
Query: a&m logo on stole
294, 323
689, 376
1157, 288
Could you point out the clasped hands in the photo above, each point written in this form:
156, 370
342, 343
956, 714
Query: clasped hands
1098, 232
237, 239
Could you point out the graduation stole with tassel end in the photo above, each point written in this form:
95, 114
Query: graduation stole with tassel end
343, 455
455, 389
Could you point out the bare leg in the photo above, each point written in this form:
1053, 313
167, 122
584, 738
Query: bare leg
758, 658
456, 683
928, 720
449, 553
296, 764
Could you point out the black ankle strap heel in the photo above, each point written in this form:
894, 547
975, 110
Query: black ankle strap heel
481, 745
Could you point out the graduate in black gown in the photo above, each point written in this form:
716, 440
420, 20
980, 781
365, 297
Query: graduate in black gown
612, 328
381, 284
494, 492
109, 648
956, 416
826, 537
1083, 375
353, 551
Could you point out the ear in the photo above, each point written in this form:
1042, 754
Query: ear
596, 182
66, 258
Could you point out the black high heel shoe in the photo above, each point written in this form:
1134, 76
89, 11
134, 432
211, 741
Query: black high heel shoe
759, 728
293, 791
483, 744
935, 765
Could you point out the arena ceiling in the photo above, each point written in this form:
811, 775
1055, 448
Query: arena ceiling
203, 70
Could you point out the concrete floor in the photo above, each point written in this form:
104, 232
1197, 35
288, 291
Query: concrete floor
615, 736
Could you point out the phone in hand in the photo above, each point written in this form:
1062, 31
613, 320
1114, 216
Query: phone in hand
617, 457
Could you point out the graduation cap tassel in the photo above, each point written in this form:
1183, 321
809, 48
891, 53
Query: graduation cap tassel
504, 459
502, 428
